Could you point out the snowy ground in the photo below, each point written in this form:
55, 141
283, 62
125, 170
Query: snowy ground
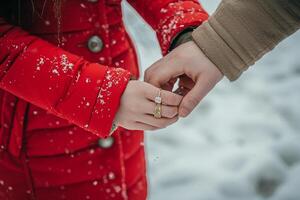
241, 143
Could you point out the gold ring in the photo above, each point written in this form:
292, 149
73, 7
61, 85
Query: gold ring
157, 111
158, 108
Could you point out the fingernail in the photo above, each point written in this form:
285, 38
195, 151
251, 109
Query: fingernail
183, 112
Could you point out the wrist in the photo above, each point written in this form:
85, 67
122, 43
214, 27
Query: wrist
182, 37
203, 59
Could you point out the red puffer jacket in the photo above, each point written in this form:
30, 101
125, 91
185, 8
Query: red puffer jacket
60, 91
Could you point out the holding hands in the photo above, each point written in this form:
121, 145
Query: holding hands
196, 73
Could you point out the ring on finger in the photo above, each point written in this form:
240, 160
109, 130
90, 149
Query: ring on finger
157, 111
158, 108
158, 99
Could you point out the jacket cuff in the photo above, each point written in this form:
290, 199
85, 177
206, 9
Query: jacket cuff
108, 101
240, 32
218, 51
177, 17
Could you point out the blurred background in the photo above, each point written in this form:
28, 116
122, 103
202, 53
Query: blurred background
242, 142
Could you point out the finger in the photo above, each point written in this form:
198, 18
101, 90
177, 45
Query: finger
194, 96
167, 97
143, 127
159, 123
170, 98
166, 111
162, 71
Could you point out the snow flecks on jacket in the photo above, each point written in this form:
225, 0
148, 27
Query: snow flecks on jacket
66, 64
113, 78
175, 17
40, 62
59, 65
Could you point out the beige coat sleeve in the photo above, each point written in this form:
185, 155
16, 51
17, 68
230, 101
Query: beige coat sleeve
242, 31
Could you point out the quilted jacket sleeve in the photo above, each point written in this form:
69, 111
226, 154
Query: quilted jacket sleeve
169, 17
86, 94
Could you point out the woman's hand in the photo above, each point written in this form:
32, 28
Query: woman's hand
137, 107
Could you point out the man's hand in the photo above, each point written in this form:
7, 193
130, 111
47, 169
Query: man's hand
196, 73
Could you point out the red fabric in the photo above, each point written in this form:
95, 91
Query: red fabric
57, 98
59, 81
169, 17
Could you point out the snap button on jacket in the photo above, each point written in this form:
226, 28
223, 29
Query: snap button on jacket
95, 44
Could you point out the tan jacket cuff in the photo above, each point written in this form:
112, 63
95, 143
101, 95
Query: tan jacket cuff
240, 32
215, 48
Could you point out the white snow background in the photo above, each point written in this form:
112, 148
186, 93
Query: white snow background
241, 143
